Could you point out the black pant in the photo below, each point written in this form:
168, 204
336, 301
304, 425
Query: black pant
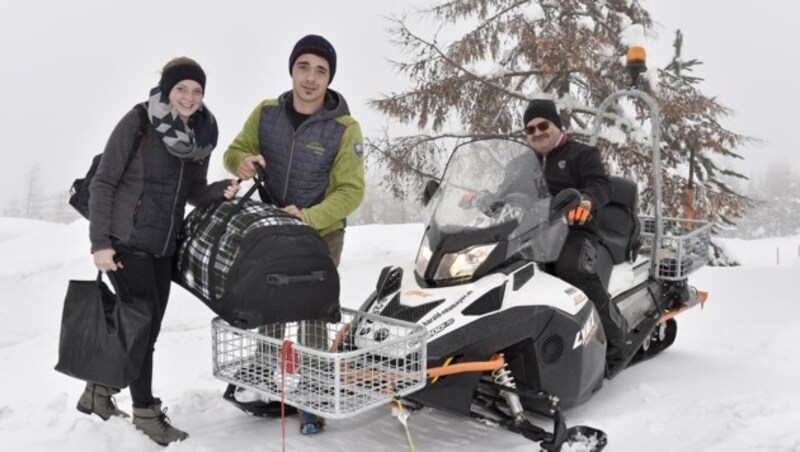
145, 279
577, 265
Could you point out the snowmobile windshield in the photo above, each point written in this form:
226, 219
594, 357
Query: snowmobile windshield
498, 185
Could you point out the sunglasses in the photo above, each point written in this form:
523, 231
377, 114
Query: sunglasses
541, 127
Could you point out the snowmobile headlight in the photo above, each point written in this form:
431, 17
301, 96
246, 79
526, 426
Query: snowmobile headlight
462, 265
423, 256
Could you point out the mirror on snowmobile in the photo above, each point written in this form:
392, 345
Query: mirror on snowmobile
566, 200
430, 189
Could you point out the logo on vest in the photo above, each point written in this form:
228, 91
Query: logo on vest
562, 164
316, 147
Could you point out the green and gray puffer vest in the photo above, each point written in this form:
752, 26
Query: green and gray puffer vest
301, 175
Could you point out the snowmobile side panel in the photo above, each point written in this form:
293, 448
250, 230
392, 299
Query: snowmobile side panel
488, 335
567, 359
635, 304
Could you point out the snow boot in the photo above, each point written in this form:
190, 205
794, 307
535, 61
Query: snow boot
99, 400
311, 424
154, 423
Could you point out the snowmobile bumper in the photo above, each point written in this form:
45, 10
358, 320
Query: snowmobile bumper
698, 297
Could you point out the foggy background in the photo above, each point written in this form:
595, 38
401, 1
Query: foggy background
70, 70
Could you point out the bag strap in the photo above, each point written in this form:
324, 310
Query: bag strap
144, 124
260, 180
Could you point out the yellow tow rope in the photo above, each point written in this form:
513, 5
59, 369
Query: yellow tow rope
402, 416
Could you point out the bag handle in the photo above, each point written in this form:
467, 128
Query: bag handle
115, 283
260, 185
279, 279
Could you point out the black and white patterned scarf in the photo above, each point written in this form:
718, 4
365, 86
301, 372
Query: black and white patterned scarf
194, 142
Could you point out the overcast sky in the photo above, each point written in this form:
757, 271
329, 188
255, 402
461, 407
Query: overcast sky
70, 70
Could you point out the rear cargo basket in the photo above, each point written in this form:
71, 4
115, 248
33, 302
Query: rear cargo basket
317, 366
683, 249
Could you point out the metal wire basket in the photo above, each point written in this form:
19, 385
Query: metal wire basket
334, 370
684, 245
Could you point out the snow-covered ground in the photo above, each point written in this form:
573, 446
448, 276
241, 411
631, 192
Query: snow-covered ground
731, 382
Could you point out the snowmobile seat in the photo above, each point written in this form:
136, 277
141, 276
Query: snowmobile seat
618, 221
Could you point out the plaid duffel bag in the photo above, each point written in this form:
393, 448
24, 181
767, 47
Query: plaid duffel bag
254, 264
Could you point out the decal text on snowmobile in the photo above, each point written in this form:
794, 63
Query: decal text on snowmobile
586, 333
439, 314
440, 327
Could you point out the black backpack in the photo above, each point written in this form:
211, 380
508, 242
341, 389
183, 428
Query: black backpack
79, 191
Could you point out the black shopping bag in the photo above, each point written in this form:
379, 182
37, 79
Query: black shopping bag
103, 339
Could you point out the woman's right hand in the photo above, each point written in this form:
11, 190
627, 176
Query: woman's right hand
104, 260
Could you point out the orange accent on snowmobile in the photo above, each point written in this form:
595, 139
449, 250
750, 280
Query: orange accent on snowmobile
496, 362
339, 339
702, 296
446, 363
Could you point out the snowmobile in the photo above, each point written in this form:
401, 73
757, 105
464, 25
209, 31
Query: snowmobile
505, 338
506, 342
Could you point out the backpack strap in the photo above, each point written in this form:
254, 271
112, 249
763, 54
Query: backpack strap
144, 124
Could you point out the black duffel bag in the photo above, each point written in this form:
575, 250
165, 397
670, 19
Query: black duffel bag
254, 264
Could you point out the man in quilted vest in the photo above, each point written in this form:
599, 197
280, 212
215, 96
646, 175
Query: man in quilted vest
310, 149
308, 144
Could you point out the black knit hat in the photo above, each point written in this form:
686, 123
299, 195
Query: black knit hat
318, 46
542, 108
172, 75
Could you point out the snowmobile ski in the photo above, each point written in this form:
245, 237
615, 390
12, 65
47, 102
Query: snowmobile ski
592, 439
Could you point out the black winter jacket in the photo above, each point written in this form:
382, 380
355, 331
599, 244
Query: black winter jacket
579, 166
143, 206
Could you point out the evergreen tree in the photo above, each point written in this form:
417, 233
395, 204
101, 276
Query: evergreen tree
692, 135
477, 87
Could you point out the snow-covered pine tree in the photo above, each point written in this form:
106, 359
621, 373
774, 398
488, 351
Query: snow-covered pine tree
477, 86
693, 138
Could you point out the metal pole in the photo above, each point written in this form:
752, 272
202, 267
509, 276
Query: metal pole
655, 134
690, 188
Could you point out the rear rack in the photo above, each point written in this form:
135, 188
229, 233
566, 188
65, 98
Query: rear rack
334, 370
683, 249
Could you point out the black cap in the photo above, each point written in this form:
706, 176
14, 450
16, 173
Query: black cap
318, 46
542, 108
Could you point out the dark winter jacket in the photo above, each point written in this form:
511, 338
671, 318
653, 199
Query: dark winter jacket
579, 166
319, 167
144, 207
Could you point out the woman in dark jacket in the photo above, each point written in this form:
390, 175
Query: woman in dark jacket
137, 202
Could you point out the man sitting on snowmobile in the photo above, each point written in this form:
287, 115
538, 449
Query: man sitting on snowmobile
569, 164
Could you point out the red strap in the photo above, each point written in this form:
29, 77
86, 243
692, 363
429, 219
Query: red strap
287, 366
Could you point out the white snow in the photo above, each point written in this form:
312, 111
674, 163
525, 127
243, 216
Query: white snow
729, 383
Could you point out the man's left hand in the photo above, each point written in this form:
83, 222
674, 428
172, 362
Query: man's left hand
580, 214
293, 210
